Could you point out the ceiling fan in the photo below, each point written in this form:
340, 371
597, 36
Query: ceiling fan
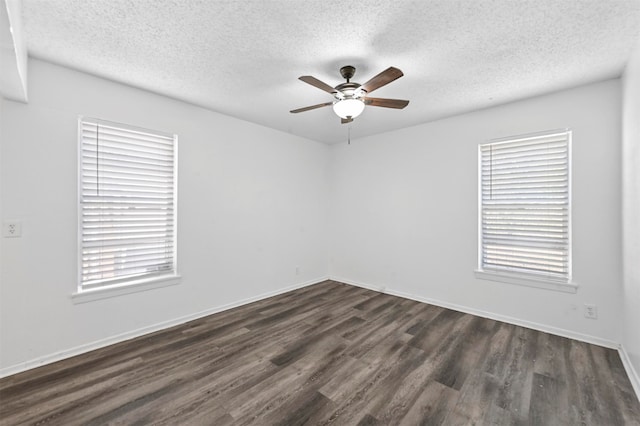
351, 98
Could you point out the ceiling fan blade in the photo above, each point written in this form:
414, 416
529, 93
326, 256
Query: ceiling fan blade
309, 108
346, 120
385, 77
317, 83
386, 103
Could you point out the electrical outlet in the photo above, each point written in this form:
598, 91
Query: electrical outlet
11, 229
590, 311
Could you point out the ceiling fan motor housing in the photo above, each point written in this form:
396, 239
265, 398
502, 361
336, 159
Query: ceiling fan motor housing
348, 90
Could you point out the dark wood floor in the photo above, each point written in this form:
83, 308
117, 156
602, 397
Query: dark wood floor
330, 354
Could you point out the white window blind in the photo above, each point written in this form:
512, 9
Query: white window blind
525, 206
127, 204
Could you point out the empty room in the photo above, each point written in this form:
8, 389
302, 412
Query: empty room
225, 212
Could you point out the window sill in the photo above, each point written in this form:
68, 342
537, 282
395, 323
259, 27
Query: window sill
527, 281
125, 288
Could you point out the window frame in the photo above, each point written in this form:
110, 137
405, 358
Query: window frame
137, 283
520, 278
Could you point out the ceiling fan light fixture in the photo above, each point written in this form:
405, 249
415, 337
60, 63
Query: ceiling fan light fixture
350, 107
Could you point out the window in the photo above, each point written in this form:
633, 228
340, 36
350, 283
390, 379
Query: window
127, 205
524, 196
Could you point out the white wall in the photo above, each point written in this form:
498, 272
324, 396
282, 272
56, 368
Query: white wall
404, 211
252, 207
1, 211
13, 52
631, 208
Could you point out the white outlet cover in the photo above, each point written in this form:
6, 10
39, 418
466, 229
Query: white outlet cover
12, 229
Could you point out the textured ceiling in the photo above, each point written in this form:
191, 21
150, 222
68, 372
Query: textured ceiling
243, 58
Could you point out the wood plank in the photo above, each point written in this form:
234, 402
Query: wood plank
431, 407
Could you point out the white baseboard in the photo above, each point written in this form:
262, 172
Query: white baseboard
78, 350
631, 371
491, 315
